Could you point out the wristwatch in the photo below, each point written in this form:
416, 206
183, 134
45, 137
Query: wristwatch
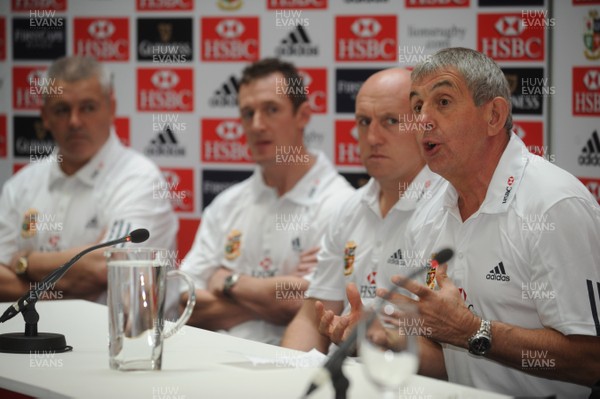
230, 281
21, 265
481, 342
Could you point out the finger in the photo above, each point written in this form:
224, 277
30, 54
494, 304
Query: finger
319, 308
441, 276
353, 297
325, 322
306, 266
313, 251
337, 334
419, 290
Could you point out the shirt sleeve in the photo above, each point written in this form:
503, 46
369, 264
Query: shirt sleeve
9, 220
328, 281
206, 253
566, 267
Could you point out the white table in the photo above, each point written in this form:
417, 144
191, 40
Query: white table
196, 363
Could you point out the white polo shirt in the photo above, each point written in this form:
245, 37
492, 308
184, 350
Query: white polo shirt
250, 229
115, 192
528, 257
362, 247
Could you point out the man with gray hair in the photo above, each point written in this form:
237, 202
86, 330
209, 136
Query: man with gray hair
516, 310
90, 189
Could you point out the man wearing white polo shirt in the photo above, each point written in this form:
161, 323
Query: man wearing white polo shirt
364, 242
256, 245
90, 189
516, 310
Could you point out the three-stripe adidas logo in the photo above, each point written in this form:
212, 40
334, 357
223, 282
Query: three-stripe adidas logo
591, 152
395, 258
296, 42
119, 229
594, 302
498, 273
226, 95
165, 143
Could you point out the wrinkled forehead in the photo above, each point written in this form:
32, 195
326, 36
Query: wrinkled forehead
427, 73
436, 79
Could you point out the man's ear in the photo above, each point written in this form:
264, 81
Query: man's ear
303, 114
497, 115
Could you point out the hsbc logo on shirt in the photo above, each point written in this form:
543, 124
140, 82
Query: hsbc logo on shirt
346, 144
586, 91
26, 94
230, 39
372, 38
106, 39
436, 3
162, 89
178, 188
296, 4
28, 5
315, 81
223, 140
164, 5
505, 37
593, 185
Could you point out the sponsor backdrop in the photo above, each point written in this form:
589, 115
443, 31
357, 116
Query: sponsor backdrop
176, 66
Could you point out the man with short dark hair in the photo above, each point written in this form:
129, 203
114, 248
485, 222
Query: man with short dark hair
516, 309
90, 189
256, 245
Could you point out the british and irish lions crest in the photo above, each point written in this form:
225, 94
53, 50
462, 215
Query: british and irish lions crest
28, 227
232, 246
591, 36
349, 255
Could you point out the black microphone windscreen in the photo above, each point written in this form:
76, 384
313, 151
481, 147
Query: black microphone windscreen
444, 256
139, 235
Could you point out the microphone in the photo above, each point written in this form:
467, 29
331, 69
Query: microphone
332, 368
136, 236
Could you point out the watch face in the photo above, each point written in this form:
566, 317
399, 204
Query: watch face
480, 345
21, 266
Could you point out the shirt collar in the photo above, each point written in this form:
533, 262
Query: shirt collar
419, 188
505, 181
370, 195
92, 169
305, 190
416, 191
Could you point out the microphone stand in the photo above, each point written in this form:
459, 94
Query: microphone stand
32, 341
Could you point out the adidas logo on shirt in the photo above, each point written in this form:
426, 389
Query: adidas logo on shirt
591, 152
226, 95
296, 42
498, 273
395, 258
